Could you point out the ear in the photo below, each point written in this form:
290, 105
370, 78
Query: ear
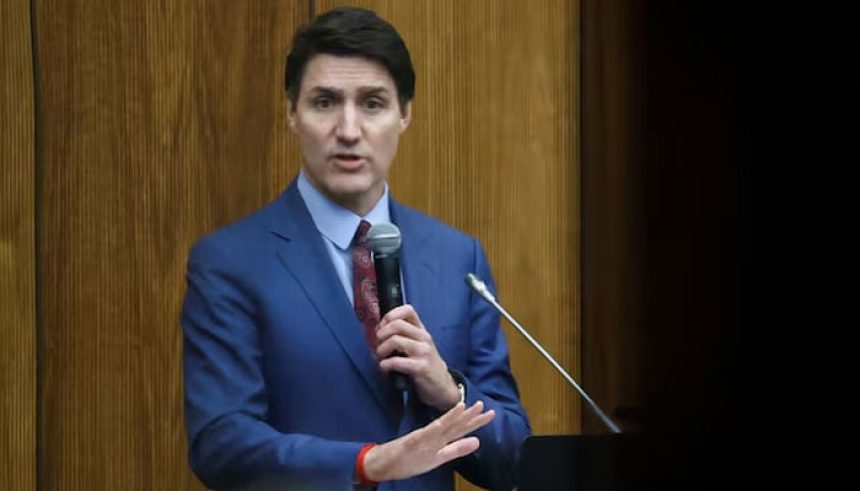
291, 117
405, 116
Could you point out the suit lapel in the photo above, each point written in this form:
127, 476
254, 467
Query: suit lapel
420, 265
301, 250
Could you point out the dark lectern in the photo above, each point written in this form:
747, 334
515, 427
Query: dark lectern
614, 461
583, 462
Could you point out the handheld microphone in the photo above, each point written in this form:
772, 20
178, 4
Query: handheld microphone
481, 289
384, 239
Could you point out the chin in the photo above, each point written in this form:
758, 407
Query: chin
348, 195
348, 189
352, 185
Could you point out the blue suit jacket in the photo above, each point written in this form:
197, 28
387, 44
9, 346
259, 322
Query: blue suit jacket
279, 381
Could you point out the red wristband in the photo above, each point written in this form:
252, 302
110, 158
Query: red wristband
359, 466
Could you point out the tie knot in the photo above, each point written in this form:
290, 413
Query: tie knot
361, 232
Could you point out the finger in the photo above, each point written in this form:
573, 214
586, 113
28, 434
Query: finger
452, 425
461, 413
450, 417
471, 420
404, 312
480, 421
403, 328
457, 449
403, 346
404, 365
473, 411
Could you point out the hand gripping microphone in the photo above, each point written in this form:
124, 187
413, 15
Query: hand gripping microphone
481, 289
384, 239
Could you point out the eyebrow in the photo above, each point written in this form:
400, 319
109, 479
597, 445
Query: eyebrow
373, 90
323, 90
364, 91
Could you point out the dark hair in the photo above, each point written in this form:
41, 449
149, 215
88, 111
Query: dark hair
351, 31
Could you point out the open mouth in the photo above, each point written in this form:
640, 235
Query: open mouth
348, 161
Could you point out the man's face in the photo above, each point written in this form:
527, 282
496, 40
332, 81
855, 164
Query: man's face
348, 121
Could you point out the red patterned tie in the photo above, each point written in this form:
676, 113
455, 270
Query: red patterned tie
364, 285
366, 304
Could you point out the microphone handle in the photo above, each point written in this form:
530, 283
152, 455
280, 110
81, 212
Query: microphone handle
388, 286
390, 295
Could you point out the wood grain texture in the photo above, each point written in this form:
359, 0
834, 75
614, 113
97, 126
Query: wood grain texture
493, 150
612, 218
164, 120
161, 121
17, 250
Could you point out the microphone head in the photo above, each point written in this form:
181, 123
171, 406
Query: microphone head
474, 282
384, 238
479, 286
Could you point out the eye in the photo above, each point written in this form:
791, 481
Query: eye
374, 104
322, 102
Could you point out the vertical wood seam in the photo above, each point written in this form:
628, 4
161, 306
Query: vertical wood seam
37, 270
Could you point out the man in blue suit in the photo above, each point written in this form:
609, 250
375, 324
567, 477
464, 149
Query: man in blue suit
285, 387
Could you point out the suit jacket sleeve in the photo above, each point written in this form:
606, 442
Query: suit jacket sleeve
230, 441
488, 378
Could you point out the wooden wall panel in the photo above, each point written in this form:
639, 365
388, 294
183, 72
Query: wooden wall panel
160, 121
17, 250
493, 151
612, 215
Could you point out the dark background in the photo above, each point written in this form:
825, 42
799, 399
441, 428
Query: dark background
748, 127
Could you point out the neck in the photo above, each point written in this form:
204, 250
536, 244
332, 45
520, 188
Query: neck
360, 203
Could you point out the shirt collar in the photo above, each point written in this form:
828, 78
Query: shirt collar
335, 222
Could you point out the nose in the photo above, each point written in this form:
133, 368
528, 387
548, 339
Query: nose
348, 129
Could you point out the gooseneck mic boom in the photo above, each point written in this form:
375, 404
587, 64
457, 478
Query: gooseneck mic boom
476, 284
385, 241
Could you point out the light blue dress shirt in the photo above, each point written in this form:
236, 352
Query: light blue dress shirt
338, 225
